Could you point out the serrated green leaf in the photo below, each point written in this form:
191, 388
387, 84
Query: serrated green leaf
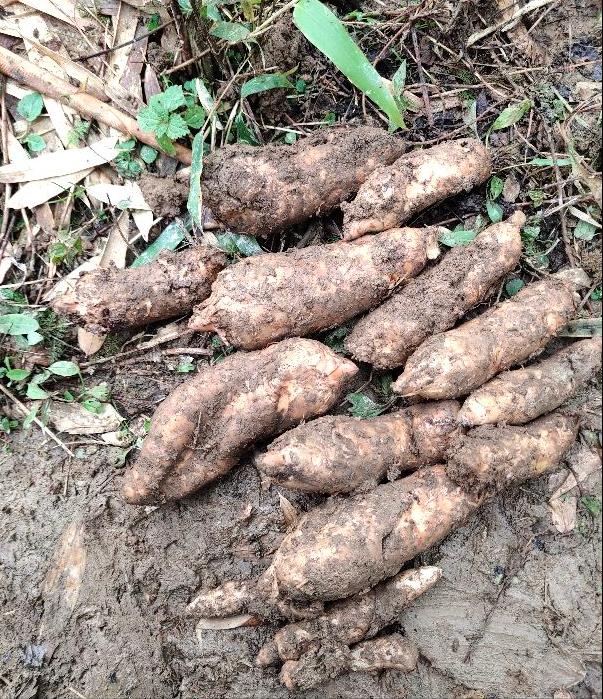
177, 127
238, 244
64, 368
194, 116
584, 230
185, 7
363, 406
457, 237
495, 187
30, 106
100, 392
168, 239
233, 32
17, 324
495, 211
148, 154
513, 286
324, 29
128, 145
153, 120
170, 99
92, 405
244, 133
261, 83
35, 143
511, 115
194, 201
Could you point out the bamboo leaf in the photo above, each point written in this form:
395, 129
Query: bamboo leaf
261, 83
194, 193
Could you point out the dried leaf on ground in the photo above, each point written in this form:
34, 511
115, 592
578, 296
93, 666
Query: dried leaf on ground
74, 418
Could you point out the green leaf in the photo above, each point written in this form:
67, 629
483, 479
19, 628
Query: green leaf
495, 187
185, 7
194, 116
591, 504
154, 22
30, 107
17, 374
148, 154
34, 337
194, 201
176, 128
185, 367
233, 32
166, 145
152, 120
244, 133
128, 145
457, 237
35, 143
238, 244
171, 99
495, 211
363, 406
92, 405
290, 138
64, 368
324, 29
513, 286
100, 392
17, 324
35, 392
584, 230
511, 115
168, 239
399, 80
336, 339
549, 162
261, 83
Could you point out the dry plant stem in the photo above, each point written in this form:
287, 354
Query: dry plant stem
207, 423
108, 299
268, 297
458, 361
264, 190
351, 620
393, 194
319, 665
488, 459
338, 454
434, 301
31, 75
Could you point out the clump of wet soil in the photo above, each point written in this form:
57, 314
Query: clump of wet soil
165, 195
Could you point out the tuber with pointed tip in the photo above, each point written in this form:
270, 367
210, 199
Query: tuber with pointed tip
269, 297
435, 300
262, 191
456, 362
110, 298
207, 423
516, 397
338, 453
393, 194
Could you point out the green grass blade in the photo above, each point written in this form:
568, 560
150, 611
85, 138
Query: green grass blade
324, 29
194, 193
169, 239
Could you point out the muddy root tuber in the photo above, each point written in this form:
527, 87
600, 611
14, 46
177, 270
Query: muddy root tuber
269, 297
261, 191
111, 298
456, 362
435, 300
393, 194
207, 423
516, 397
338, 454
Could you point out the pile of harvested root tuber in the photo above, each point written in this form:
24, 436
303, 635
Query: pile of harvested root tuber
399, 482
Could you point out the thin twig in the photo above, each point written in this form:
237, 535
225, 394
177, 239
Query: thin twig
125, 43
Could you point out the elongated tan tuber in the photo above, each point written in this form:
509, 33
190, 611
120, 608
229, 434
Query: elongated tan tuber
347, 545
434, 301
393, 652
352, 620
109, 299
268, 297
338, 454
456, 362
516, 397
264, 190
205, 425
490, 458
395, 193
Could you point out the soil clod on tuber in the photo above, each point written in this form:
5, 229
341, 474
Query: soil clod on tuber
269, 297
434, 301
456, 362
516, 397
111, 298
393, 194
261, 191
207, 423
338, 454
